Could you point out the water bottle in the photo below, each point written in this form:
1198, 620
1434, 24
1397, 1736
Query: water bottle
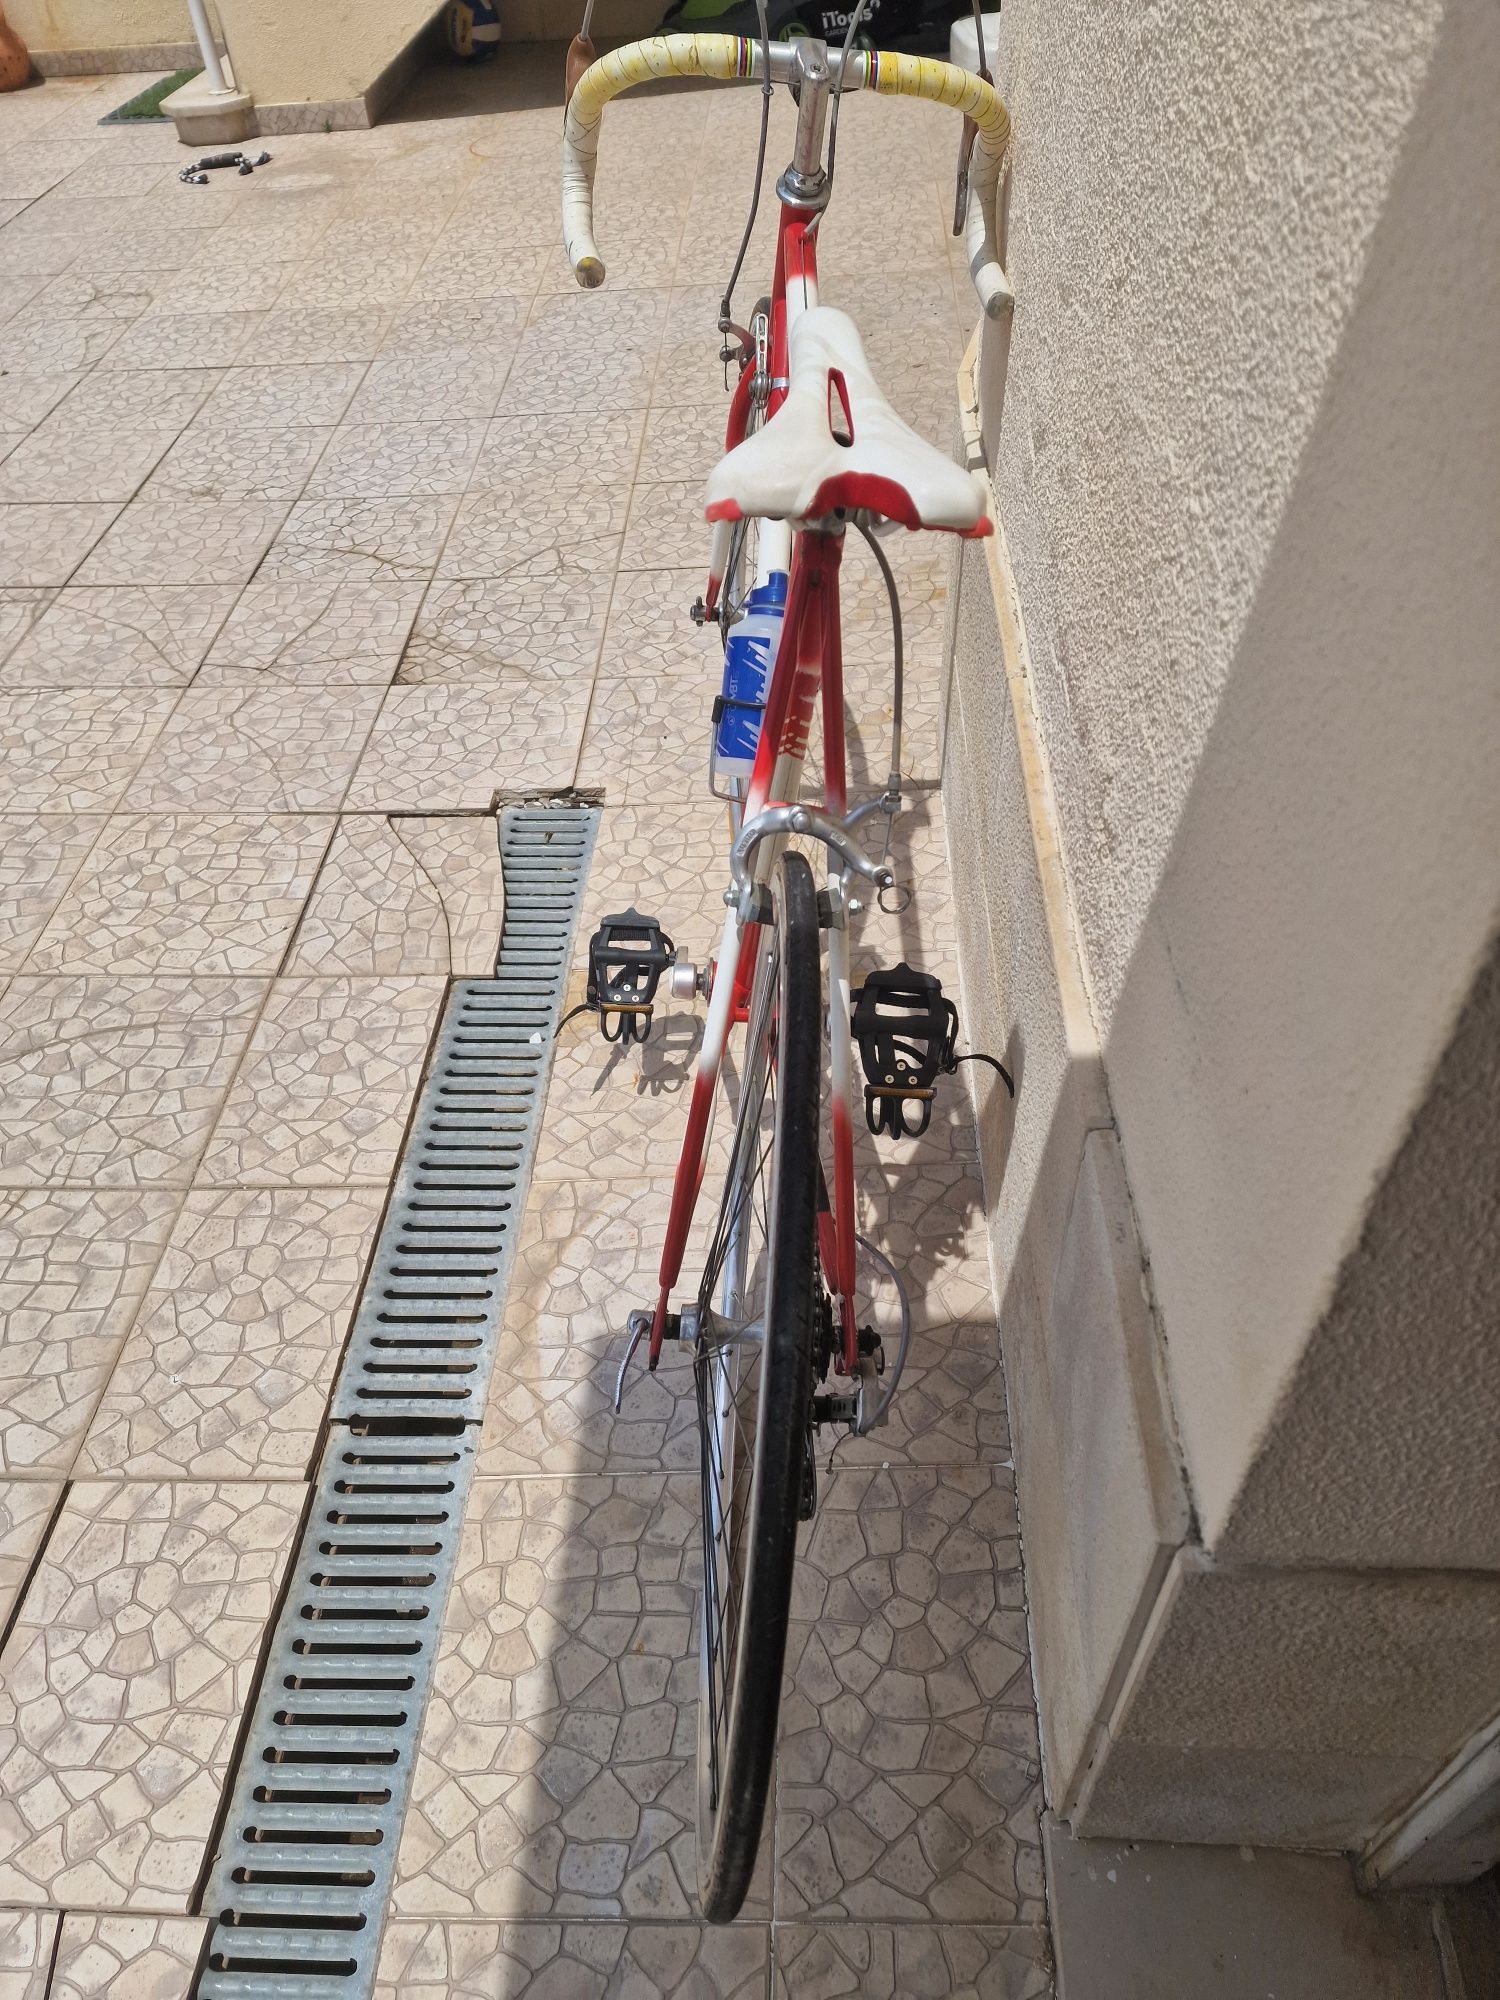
749, 657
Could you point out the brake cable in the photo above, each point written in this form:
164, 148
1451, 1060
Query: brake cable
856, 15
726, 304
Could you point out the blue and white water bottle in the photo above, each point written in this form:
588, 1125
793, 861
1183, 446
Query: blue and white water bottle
749, 657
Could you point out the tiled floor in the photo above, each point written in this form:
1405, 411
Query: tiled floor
329, 509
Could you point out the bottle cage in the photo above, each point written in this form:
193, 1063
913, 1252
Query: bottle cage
627, 957
907, 1032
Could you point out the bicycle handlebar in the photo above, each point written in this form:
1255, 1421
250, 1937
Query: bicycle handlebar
736, 59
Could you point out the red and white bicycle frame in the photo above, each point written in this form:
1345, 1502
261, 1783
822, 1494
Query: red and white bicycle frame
809, 665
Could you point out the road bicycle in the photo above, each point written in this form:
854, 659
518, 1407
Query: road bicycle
812, 451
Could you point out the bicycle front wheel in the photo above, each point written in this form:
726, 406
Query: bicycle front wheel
753, 1368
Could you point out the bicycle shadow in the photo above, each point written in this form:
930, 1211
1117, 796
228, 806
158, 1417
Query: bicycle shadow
662, 1064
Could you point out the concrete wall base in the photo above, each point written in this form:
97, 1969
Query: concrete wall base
1147, 1921
206, 117
135, 60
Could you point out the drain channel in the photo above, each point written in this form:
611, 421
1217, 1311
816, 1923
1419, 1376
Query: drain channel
299, 1890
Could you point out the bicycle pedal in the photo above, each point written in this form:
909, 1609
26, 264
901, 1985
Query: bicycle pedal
627, 956
907, 1031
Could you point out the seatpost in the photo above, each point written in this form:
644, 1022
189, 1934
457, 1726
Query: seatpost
805, 184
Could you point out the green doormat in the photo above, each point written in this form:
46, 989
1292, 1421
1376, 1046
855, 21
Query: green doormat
145, 107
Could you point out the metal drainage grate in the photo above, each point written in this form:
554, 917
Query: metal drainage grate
300, 1887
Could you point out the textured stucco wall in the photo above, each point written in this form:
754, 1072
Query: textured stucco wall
557, 20
1249, 467
98, 24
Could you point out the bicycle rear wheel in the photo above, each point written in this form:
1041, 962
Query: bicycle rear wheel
753, 1369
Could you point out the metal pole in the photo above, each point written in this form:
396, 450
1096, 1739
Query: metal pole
208, 48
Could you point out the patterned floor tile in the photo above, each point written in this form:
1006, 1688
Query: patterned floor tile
438, 326
75, 750
406, 895
495, 532
950, 1407
559, 368
50, 342
455, 384
45, 543
25, 1510
452, 749
541, 621
186, 892
29, 397
21, 607
211, 287
586, 1256
556, 1774
183, 541
585, 1961
647, 739
388, 461
909, 1777
368, 540
28, 1939
666, 528
911, 1962
323, 1095
151, 400
292, 336
119, 636
184, 340
354, 278
228, 1367
122, 1686
313, 634
258, 397
116, 1082
690, 371
81, 465
650, 629
128, 1958
616, 1114
459, 266
684, 441
269, 749
670, 856
210, 466
38, 859
928, 1218
74, 1266
570, 452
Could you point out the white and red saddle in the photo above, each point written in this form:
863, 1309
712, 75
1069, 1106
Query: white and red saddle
836, 445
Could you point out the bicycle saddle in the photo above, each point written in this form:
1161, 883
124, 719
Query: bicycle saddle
836, 445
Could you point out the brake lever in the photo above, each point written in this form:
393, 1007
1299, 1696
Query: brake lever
580, 56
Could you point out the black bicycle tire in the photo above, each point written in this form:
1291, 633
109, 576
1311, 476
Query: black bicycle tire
727, 1850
